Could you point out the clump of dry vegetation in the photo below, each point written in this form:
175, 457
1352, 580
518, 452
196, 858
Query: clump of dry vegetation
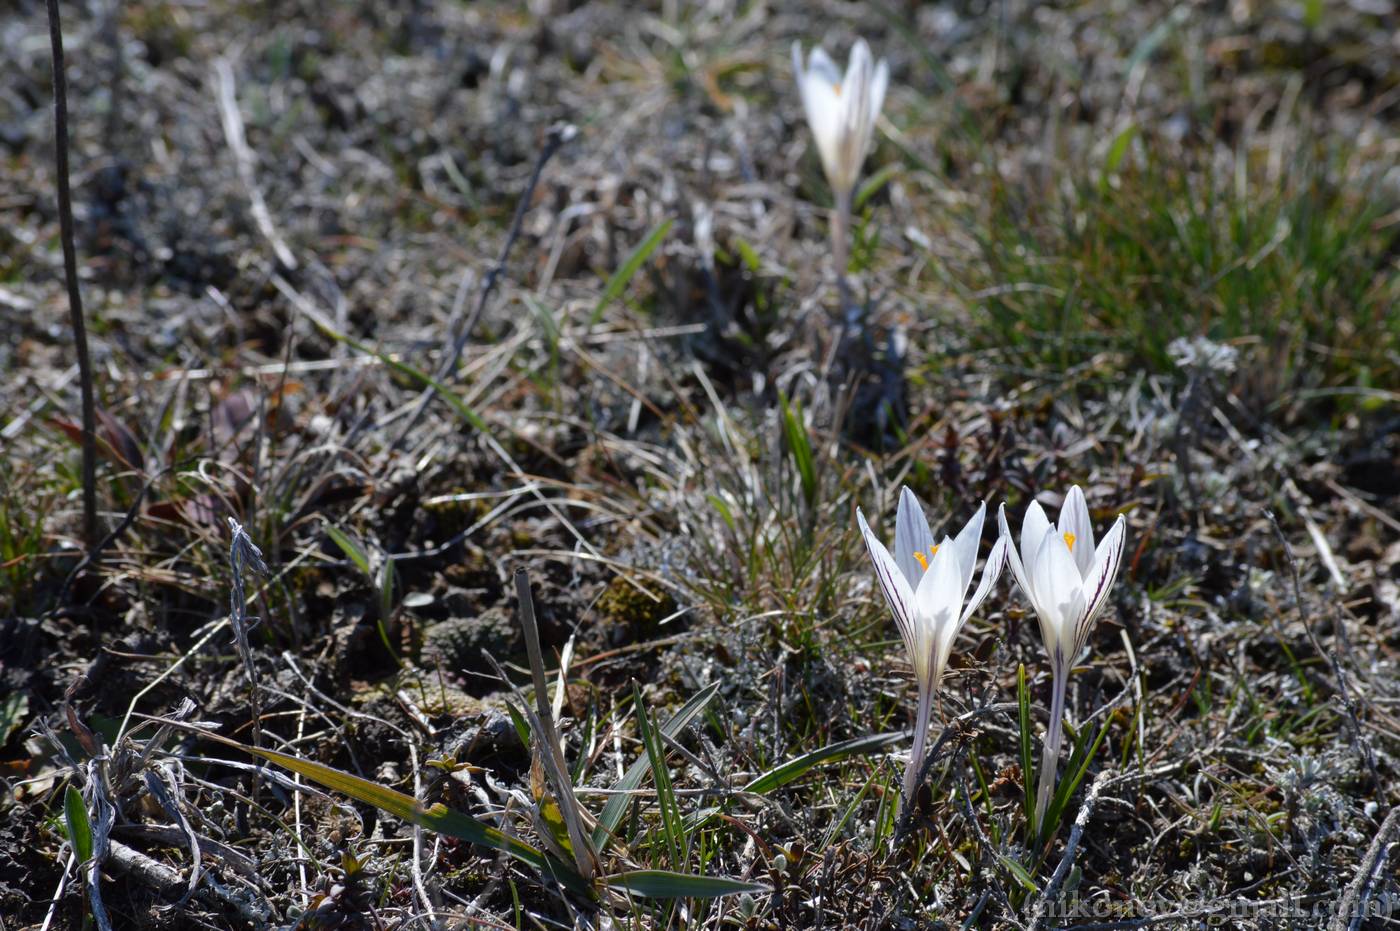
422, 295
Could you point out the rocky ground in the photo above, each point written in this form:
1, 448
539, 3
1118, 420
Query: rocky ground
1145, 248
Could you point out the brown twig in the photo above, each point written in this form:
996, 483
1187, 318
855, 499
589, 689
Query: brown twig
70, 271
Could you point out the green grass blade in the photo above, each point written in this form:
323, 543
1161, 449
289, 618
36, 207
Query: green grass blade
1023, 699
800, 447
798, 766
13, 708
883, 827
1019, 872
617, 804
517, 720
1154, 37
1116, 152
1083, 755
436, 817
549, 327
985, 792
840, 823
79, 827
671, 825
662, 884
620, 278
872, 185
749, 255
351, 548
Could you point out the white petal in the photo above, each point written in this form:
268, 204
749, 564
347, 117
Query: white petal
911, 535
859, 123
938, 593
991, 571
939, 597
1033, 531
818, 85
860, 59
1061, 595
823, 109
966, 544
1074, 519
820, 65
1108, 559
1018, 568
824, 115
878, 85
898, 595
1108, 543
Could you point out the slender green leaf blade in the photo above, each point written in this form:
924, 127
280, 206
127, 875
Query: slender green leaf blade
517, 720
663, 884
872, 185
1019, 872
79, 827
1023, 698
800, 447
1119, 147
1083, 755
436, 817
1154, 37
840, 823
617, 804
548, 325
351, 548
749, 255
623, 276
795, 768
665, 798
13, 708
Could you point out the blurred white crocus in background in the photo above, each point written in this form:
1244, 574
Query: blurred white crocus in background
925, 584
841, 112
1067, 580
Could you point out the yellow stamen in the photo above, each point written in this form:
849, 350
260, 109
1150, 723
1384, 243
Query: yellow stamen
837, 88
923, 560
1069, 541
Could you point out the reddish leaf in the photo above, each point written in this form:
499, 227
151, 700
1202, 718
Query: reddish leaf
121, 440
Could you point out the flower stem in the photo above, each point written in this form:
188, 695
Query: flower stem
916, 753
1054, 736
840, 242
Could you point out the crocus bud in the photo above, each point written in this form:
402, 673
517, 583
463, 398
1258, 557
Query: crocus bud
841, 112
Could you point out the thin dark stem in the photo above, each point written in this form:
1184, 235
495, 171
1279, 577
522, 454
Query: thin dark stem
70, 269
558, 135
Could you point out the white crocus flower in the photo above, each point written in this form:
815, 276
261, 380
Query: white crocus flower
925, 585
842, 113
1067, 580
